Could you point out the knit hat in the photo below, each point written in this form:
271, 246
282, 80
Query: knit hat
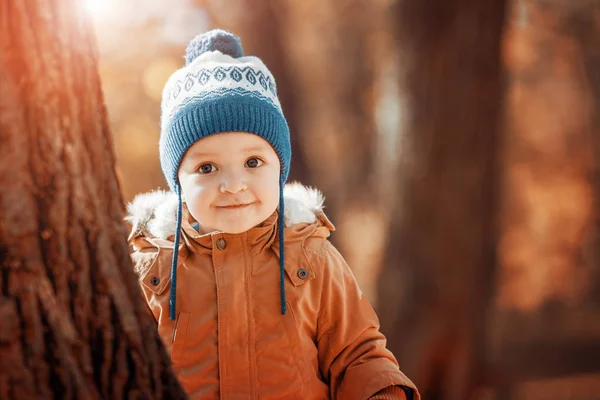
220, 90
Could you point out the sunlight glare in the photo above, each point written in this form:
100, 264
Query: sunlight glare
99, 8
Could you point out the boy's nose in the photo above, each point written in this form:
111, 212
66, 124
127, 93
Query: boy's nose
233, 184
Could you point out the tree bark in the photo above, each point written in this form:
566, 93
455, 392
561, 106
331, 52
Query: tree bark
439, 265
73, 323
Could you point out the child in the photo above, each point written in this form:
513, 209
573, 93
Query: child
249, 304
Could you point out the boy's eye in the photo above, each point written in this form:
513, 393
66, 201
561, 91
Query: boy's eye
254, 162
207, 168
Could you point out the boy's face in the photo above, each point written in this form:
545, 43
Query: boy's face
230, 181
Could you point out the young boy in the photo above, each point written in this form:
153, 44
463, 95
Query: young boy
249, 304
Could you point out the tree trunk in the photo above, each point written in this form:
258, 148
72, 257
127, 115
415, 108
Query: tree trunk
546, 321
73, 323
439, 264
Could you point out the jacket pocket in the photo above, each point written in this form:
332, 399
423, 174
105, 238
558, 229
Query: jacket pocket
180, 336
291, 327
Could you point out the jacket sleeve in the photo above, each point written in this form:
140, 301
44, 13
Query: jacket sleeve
353, 356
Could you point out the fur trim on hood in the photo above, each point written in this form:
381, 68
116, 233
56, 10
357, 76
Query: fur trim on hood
155, 213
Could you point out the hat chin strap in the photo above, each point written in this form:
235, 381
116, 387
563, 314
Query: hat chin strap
282, 247
173, 293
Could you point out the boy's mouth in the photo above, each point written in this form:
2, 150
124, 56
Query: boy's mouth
235, 206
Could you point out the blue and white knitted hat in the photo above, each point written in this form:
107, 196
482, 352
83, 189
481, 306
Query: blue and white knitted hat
220, 90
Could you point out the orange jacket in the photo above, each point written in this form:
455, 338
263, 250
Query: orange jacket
230, 340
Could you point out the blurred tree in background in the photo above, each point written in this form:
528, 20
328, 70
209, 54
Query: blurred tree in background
544, 330
435, 288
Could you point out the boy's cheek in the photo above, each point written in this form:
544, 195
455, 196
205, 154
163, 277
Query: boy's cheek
198, 203
194, 190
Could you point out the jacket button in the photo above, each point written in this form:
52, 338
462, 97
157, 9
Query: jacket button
302, 273
155, 281
221, 244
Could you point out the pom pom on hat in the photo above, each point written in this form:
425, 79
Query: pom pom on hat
216, 39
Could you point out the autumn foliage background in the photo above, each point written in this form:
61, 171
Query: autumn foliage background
341, 69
